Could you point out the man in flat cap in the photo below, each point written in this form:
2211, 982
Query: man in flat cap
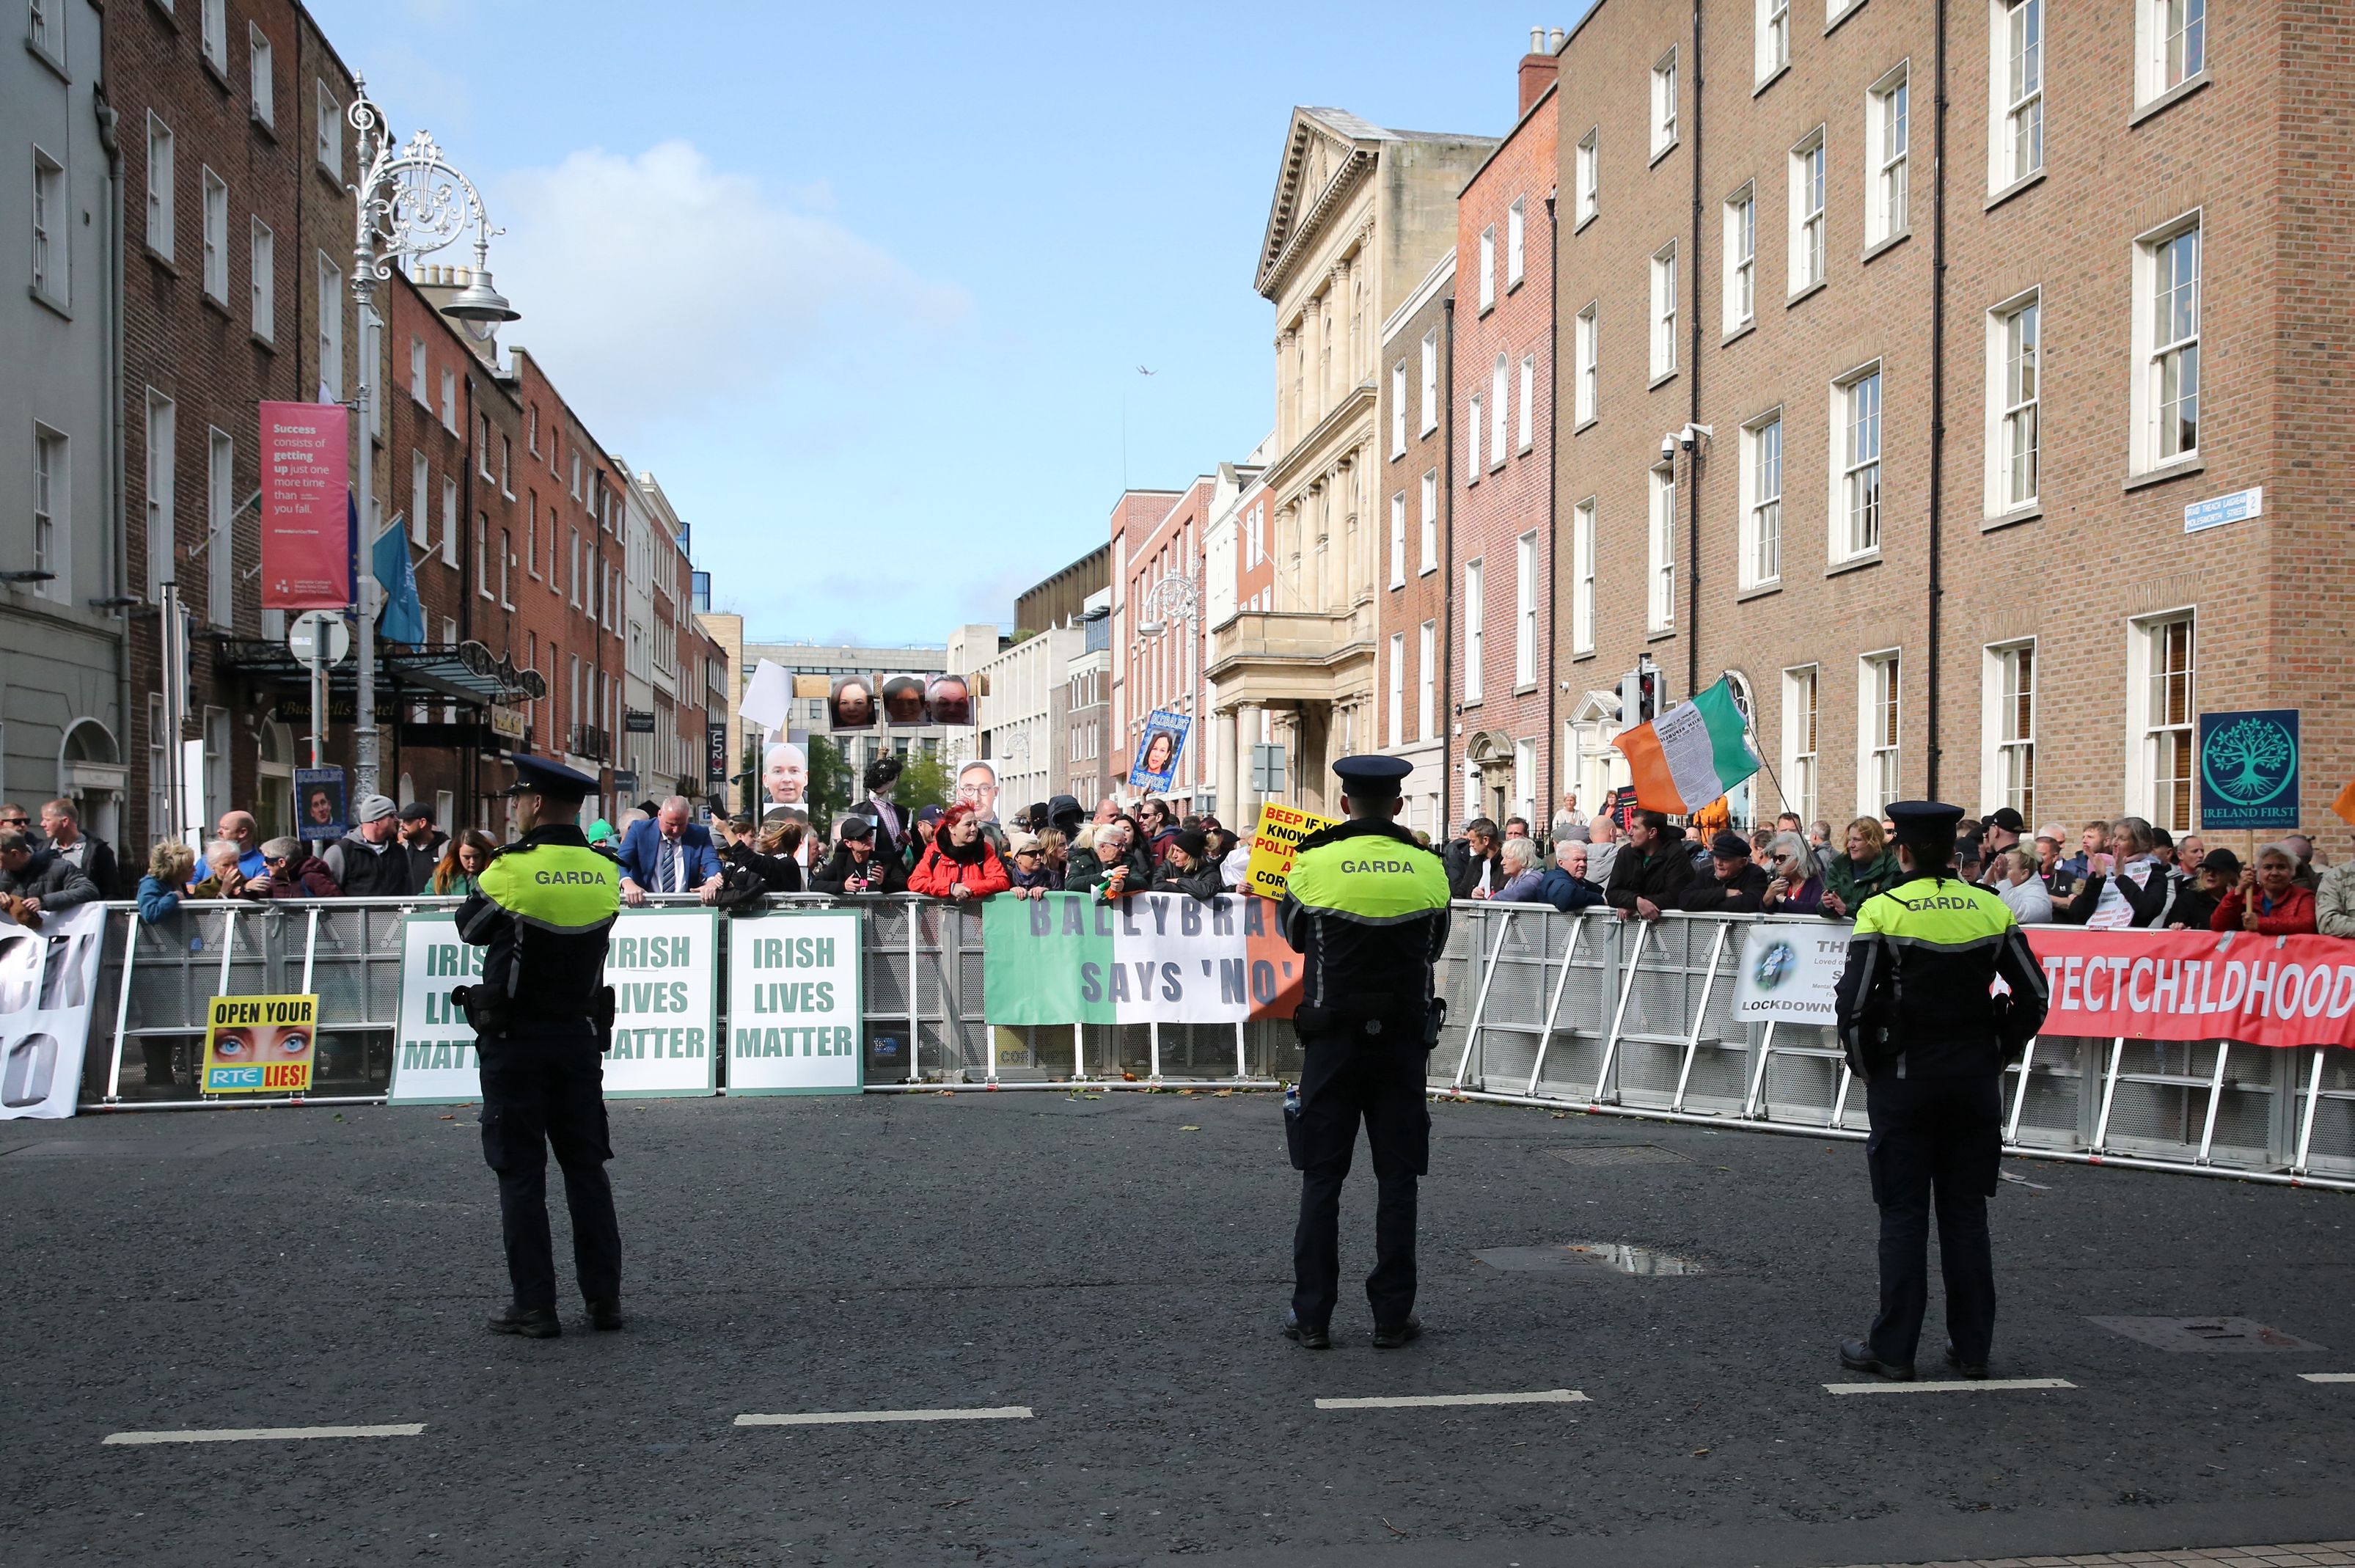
1365, 906
543, 1016
1923, 1029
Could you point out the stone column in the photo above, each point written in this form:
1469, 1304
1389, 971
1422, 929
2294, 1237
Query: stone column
1230, 774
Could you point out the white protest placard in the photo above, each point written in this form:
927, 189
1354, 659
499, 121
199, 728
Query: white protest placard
793, 1004
1790, 971
49, 977
662, 964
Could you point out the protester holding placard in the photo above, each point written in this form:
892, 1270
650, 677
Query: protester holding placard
2268, 900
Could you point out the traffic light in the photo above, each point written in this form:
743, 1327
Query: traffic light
1639, 695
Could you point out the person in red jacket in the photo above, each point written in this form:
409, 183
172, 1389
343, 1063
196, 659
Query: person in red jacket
2268, 902
961, 862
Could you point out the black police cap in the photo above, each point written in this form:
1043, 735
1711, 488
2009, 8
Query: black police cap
1925, 819
539, 775
1371, 772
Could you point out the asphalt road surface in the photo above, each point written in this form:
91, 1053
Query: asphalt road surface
1116, 1266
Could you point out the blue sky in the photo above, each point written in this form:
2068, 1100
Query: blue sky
867, 289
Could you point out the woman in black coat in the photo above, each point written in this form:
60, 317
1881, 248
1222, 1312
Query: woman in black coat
858, 866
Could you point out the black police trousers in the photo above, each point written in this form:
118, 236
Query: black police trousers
1936, 1142
1344, 1078
546, 1090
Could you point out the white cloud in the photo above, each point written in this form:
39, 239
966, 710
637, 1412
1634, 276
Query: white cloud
654, 286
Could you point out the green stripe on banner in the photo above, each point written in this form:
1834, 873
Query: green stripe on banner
1041, 959
1729, 744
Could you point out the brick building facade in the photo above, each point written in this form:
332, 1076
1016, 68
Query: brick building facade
1502, 565
1414, 613
1964, 395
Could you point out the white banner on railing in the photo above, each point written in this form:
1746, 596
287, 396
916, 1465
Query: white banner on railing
793, 1004
49, 977
661, 964
1790, 971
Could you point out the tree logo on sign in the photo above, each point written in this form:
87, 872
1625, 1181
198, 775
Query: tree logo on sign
2250, 761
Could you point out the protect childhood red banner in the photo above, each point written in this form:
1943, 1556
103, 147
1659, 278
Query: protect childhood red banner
2197, 985
307, 534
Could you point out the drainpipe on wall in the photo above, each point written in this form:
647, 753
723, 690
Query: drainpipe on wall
1447, 709
1692, 375
1552, 751
1937, 388
118, 513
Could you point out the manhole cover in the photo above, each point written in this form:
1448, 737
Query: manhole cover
1585, 1257
1620, 1154
2206, 1335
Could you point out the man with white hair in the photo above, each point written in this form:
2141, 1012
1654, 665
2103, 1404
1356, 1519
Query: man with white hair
1567, 886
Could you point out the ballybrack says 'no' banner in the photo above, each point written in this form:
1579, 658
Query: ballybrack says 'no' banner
1155, 957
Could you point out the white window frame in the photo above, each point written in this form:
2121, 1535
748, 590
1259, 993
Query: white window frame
260, 87
449, 523
1760, 487
2155, 360
215, 282
1888, 149
420, 500
1660, 549
2008, 679
1526, 593
1880, 731
1500, 386
1517, 242
51, 231
1430, 381
261, 262
1476, 636
1397, 714
1664, 104
1429, 501
329, 280
1426, 681
1525, 417
45, 35
2170, 46
1739, 301
52, 509
1590, 176
221, 517
450, 399
162, 480
327, 141
1487, 269
1771, 47
160, 160
1810, 223
2014, 386
212, 33
2162, 716
1472, 439
1398, 409
418, 373
1663, 312
1586, 341
1803, 738
1581, 590
1398, 539
1857, 480
2016, 68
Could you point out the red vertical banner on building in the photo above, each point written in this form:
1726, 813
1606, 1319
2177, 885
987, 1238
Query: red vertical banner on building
307, 555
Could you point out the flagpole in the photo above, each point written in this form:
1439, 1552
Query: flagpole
1758, 749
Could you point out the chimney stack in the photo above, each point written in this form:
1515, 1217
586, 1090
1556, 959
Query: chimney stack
1555, 39
1540, 68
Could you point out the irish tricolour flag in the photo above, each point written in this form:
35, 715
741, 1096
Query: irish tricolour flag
1691, 754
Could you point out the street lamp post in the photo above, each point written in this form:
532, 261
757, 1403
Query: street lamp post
410, 203
1176, 600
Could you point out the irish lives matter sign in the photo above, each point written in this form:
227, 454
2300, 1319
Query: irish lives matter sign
793, 1004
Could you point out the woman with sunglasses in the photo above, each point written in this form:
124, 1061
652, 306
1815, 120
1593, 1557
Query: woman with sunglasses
1796, 887
1031, 875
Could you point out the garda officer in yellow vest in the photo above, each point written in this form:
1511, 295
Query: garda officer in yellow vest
543, 1016
1923, 1031
1366, 908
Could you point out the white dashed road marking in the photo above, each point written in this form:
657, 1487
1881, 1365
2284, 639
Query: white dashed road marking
2326, 1377
850, 1417
266, 1433
1423, 1401
1982, 1385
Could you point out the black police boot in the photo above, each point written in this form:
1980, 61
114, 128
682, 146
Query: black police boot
531, 1322
1397, 1334
1310, 1337
1975, 1370
605, 1314
1858, 1357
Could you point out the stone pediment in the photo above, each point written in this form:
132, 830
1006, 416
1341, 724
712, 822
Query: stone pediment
1327, 152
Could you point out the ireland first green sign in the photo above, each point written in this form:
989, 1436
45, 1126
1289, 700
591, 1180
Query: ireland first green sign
2248, 769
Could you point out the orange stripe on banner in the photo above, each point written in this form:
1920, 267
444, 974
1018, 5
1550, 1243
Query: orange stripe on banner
1656, 787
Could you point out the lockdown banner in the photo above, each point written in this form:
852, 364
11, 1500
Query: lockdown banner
2197, 985
1156, 957
664, 967
1790, 970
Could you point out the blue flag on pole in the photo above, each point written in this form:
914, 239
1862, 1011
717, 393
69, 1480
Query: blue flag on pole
404, 617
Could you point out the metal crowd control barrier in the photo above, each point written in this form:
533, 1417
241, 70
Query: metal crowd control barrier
1635, 1018
1617, 1018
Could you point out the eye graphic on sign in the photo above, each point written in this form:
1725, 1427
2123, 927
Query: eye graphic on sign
1774, 965
2250, 761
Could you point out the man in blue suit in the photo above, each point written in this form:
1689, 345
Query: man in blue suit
669, 855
